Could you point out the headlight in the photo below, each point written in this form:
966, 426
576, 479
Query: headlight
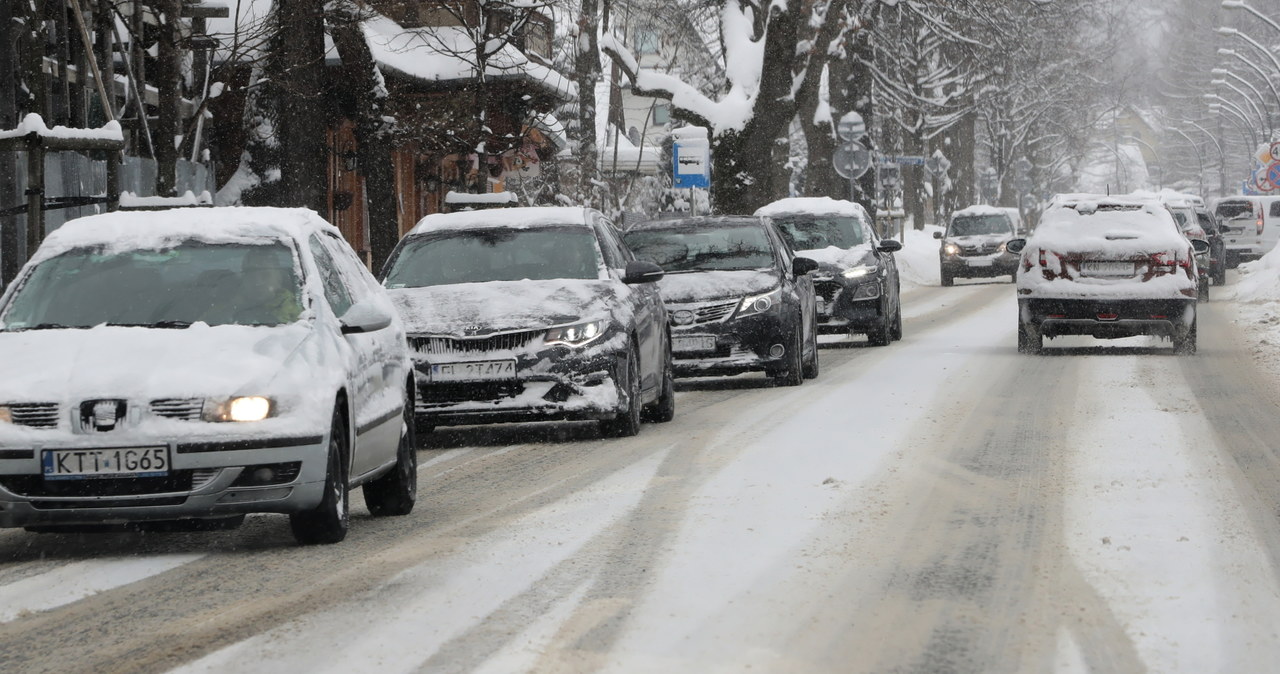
951, 249
578, 334
859, 272
1000, 248
6, 415
245, 408
758, 304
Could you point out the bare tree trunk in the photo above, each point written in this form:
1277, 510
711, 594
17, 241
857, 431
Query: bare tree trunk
9, 231
373, 138
299, 76
168, 67
586, 74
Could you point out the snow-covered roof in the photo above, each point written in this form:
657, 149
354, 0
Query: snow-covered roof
128, 230
488, 199
34, 123
1114, 224
814, 206
980, 209
529, 216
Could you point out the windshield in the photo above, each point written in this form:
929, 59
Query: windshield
704, 247
218, 284
1232, 210
814, 232
971, 225
496, 254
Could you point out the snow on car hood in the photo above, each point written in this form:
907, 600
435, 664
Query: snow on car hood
144, 363
709, 285
841, 258
501, 306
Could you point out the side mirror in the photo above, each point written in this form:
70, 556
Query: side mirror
639, 271
937, 235
1200, 246
891, 245
364, 317
1015, 246
803, 265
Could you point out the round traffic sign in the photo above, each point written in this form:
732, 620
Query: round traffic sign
1273, 174
851, 160
851, 127
1275, 151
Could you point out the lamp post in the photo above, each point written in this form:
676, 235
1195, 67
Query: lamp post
1247, 83
1263, 120
1241, 4
1223, 51
1237, 113
1226, 30
1222, 157
1199, 156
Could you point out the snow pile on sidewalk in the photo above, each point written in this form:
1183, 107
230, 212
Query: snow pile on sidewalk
918, 259
1259, 281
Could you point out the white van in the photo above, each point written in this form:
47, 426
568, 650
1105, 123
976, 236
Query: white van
1250, 226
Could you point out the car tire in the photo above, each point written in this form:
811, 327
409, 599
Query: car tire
327, 522
627, 423
793, 372
947, 280
1030, 340
396, 492
882, 335
810, 368
664, 408
897, 322
1186, 345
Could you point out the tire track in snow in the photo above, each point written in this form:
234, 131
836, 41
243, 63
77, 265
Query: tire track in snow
72, 582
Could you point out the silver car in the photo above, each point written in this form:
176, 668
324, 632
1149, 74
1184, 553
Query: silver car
179, 369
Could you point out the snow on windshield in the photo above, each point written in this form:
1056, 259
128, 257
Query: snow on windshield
495, 254
703, 246
979, 225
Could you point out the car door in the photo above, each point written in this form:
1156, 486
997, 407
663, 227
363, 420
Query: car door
892, 283
802, 286
377, 381
645, 306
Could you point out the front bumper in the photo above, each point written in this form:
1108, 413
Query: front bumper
979, 266
545, 388
207, 479
742, 344
1108, 319
850, 306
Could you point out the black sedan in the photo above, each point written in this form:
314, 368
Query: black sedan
531, 314
739, 300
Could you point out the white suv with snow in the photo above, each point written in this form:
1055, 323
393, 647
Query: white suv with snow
1107, 267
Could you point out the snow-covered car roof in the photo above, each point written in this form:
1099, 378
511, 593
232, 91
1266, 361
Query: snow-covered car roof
1121, 224
980, 209
129, 230
520, 218
675, 223
813, 206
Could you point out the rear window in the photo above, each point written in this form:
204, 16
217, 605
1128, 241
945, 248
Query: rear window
1231, 210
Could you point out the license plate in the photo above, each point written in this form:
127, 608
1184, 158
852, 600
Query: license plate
480, 370
980, 263
1107, 268
694, 343
80, 464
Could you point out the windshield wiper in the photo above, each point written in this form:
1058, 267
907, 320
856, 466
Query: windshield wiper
48, 326
157, 324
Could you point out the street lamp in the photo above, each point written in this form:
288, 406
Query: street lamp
1241, 4
1225, 30
1222, 157
1263, 120
1199, 156
1247, 83
1237, 118
1223, 51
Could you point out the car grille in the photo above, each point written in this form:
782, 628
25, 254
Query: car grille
444, 346
828, 290
35, 415
188, 409
707, 313
984, 249
36, 485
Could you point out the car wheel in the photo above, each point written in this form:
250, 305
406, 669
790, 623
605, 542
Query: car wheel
327, 523
883, 333
810, 367
664, 408
793, 374
947, 280
627, 423
1186, 345
897, 321
1029, 339
397, 491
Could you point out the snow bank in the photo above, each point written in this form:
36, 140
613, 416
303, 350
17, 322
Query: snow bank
918, 259
1259, 282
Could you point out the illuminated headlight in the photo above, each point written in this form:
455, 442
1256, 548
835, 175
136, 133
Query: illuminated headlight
244, 408
859, 272
1000, 248
6, 415
951, 249
578, 334
758, 304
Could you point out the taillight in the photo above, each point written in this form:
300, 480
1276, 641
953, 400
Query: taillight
1260, 224
1042, 261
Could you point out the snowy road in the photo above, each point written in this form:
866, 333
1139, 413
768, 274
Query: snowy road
942, 504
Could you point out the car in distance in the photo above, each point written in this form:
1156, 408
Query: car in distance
1108, 267
531, 314
739, 301
973, 245
182, 368
856, 283
1250, 225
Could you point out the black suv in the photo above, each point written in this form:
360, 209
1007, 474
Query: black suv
974, 245
738, 300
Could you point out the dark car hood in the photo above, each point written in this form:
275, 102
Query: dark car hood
711, 285
501, 306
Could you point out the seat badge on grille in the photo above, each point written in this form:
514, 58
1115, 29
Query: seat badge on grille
101, 415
